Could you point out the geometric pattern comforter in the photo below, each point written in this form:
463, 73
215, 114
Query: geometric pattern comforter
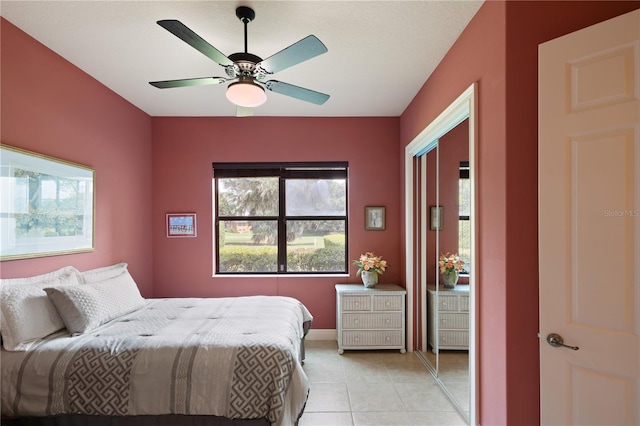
233, 357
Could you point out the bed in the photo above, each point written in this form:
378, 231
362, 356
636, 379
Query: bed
214, 361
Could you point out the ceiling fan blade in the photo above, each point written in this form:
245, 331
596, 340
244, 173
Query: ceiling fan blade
297, 92
181, 31
244, 111
185, 82
307, 48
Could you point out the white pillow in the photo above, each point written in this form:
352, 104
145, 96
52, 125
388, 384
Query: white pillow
27, 312
103, 273
87, 306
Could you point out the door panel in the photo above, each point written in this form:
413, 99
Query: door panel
602, 177
589, 224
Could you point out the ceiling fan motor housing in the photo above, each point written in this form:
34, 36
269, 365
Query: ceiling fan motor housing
244, 64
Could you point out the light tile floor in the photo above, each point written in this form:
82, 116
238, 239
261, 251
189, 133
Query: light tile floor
454, 373
372, 388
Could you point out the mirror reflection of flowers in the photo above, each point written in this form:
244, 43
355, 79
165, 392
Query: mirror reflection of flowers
450, 264
370, 262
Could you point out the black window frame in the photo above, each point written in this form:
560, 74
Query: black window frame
283, 171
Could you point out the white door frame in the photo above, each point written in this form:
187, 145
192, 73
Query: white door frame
466, 105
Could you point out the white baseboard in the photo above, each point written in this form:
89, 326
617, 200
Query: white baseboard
326, 334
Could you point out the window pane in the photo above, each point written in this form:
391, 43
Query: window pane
316, 246
316, 197
248, 246
279, 218
464, 197
248, 196
464, 243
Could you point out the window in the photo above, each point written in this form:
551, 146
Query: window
280, 218
464, 212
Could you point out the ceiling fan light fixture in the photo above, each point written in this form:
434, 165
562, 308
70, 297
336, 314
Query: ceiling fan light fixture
246, 94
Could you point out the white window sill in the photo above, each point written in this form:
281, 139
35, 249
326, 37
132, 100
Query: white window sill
280, 276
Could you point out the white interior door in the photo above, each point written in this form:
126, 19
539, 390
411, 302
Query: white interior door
589, 233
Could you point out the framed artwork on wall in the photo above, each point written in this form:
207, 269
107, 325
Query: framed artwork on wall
46, 205
374, 218
436, 218
181, 225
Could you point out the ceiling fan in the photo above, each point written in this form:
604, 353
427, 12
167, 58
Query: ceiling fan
245, 71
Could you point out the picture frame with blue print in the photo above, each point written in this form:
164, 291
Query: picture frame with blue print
180, 225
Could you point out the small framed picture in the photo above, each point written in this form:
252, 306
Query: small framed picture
181, 225
374, 218
436, 218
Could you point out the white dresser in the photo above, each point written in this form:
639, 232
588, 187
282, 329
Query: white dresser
452, 324
370, 318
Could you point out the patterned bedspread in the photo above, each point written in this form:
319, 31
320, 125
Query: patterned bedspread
233, 357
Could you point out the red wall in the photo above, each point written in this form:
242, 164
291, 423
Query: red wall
498, 50
51, 107
183, 152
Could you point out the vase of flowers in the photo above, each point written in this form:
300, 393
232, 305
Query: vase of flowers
369, 267
450, 266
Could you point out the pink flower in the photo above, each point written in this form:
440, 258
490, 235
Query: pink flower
370, 262
449, 262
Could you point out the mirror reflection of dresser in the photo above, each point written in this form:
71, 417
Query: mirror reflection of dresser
448, 317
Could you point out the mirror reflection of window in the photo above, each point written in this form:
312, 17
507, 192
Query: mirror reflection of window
464, 212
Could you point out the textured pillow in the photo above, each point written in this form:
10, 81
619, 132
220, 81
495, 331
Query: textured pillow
27, 312
104, 273
87, 306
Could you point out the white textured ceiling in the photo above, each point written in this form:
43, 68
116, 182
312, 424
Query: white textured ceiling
380, 52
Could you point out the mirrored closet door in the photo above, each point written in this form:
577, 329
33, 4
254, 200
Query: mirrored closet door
442, 207
445, 215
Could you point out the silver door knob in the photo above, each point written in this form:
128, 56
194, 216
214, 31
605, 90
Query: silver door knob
557, 341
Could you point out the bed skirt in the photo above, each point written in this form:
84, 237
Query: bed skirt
171, 419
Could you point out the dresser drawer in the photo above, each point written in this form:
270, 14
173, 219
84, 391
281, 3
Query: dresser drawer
454, 338
372, 338
356, 303
464, 304
448, 303
372, 321
453, 321
387, 303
